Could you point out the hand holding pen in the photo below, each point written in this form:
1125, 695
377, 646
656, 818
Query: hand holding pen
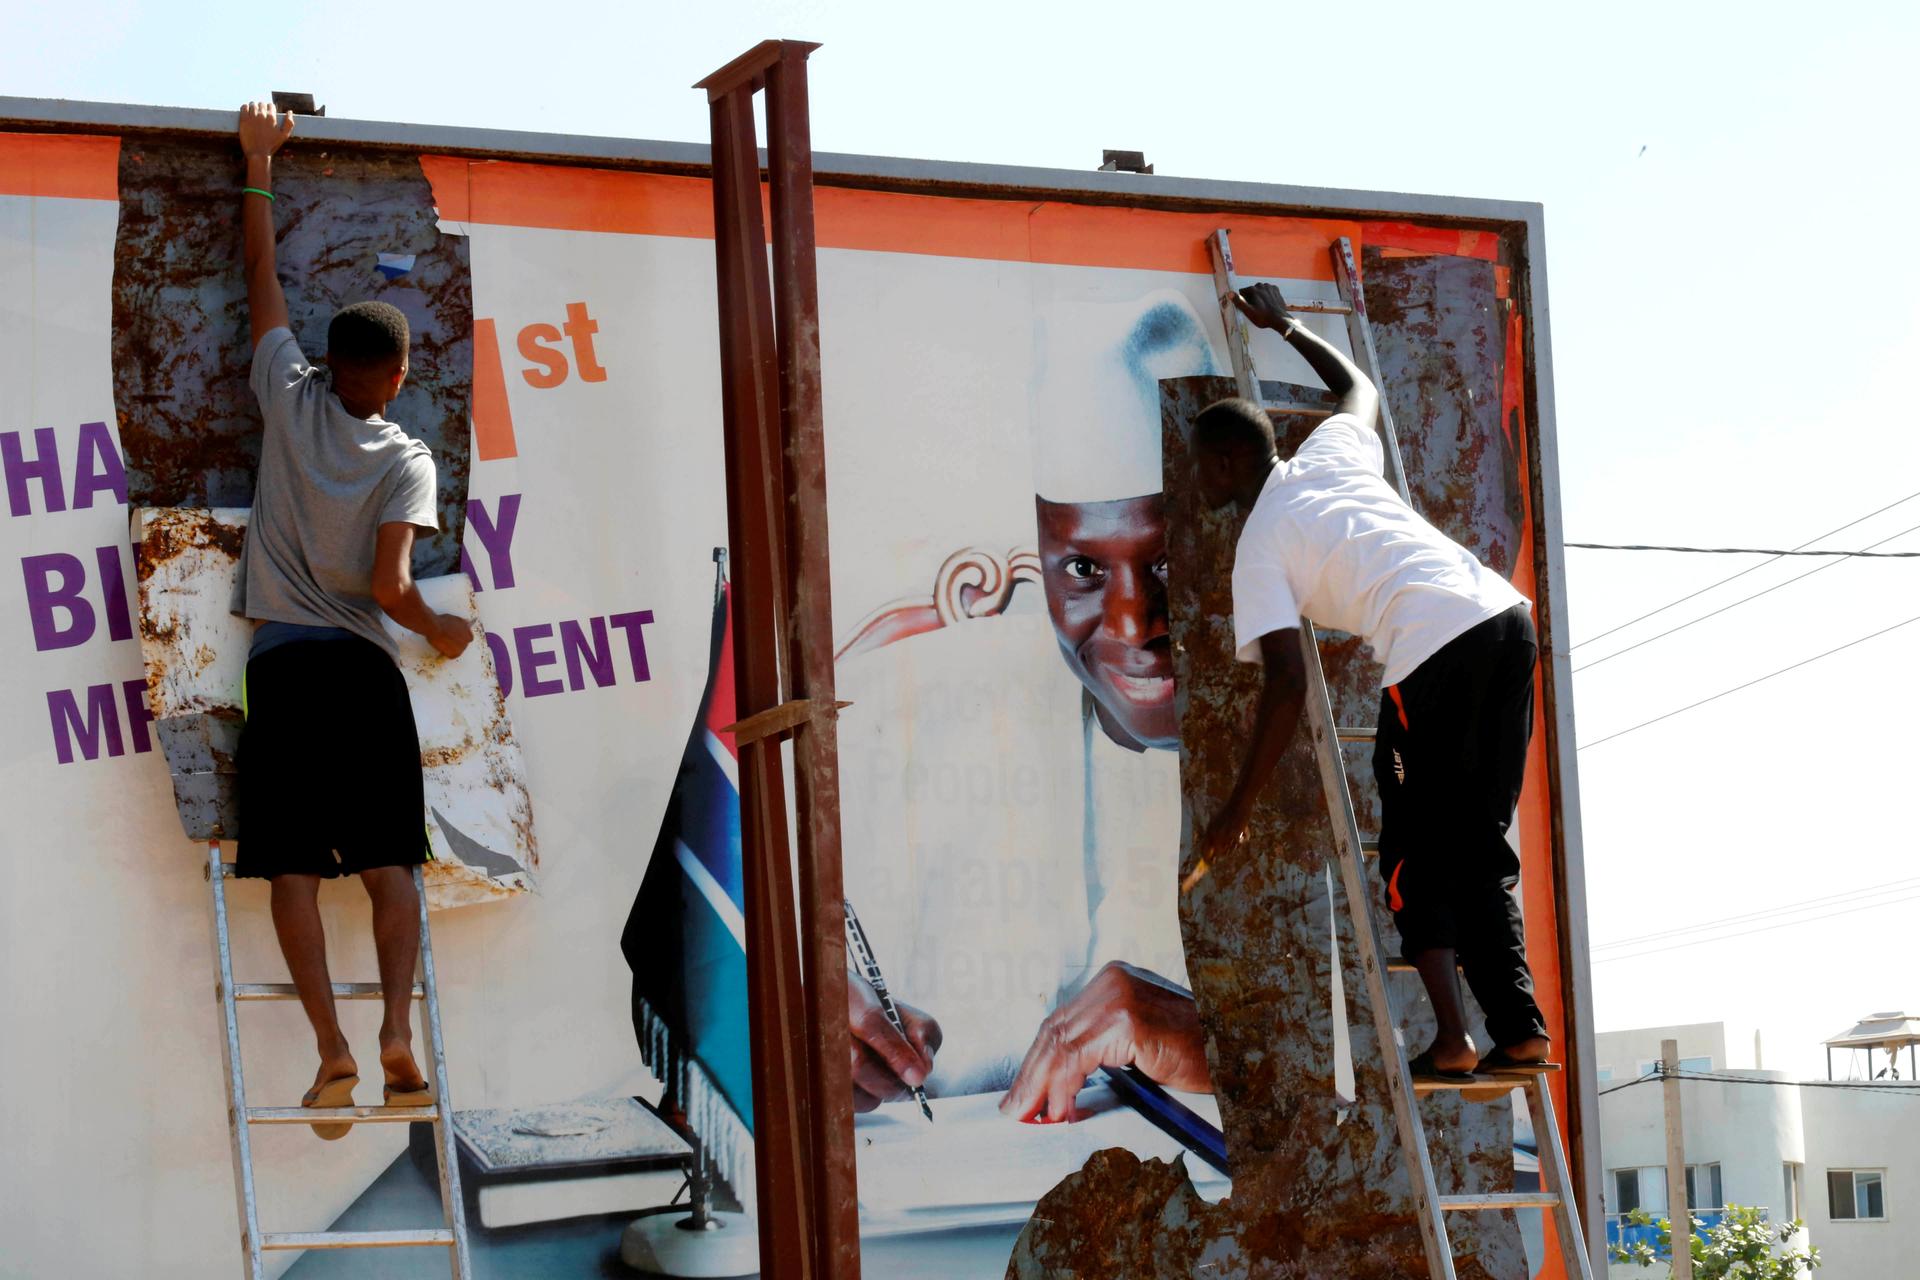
893, 1043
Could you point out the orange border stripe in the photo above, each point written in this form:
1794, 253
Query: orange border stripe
60, 165
493, 436
510, 193
1412, 238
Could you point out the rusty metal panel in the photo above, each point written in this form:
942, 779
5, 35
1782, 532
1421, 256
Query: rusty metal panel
1439, 327
189, 426
480, 818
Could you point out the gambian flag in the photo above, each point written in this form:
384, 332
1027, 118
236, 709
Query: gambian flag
686, 938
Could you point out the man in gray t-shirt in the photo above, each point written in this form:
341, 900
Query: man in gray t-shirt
329, 759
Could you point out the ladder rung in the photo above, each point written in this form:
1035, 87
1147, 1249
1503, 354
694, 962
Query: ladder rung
1355, 734
355, 1239
338, 1115
1321, 308
1502, 1200
341, 991
1427, 1084
1400, 964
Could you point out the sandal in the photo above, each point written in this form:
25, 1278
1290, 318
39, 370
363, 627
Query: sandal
421, 1097
337, 1092
1423, 1069
1500, 1062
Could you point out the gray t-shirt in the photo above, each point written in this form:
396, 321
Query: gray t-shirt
327, 482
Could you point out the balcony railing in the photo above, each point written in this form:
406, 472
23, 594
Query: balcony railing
1627, 1234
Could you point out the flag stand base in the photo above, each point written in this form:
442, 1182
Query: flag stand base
691, 1244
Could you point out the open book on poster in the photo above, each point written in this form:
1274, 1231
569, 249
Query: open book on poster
973, 1165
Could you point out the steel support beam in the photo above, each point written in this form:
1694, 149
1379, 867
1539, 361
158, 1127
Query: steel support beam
783, 627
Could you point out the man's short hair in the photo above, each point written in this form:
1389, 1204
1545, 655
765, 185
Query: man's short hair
367, 335
1232, 425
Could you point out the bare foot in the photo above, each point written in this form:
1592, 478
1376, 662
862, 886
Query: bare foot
335, 1065
1534, 1049
396, 1060
1455, 1054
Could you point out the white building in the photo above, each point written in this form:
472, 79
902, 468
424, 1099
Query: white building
1844, 1160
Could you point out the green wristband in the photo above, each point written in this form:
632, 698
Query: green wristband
255, 191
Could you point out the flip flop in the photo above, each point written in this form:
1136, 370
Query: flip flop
1423, 1068
337, 1092
1500, 1062
421, 1097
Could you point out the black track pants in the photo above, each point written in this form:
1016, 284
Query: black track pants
1450, 756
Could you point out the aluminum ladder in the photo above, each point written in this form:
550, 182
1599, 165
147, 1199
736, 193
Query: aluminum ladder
241, 1118
1429, 1204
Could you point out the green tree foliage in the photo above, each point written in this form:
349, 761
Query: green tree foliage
1741, 1246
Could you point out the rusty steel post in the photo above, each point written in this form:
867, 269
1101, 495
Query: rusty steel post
777, 521
816, 752
782, 1161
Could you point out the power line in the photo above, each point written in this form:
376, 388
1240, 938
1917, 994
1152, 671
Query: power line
1730, 577
1628, 1085
1713, 1077
1755, 596
1860, 1086
1743, 551
1749, 684
1867, 891
1765, 928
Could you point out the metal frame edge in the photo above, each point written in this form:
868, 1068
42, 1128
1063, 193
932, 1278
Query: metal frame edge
830, 168
1583, 1103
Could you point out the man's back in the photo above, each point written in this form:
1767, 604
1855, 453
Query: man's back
327, 482
1330, 539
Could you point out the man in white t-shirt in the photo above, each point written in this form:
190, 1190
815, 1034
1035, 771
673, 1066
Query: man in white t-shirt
1328, 538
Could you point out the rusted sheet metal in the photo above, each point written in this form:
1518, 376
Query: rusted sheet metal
189, 425
1312, 1196
480, 818
1439, 328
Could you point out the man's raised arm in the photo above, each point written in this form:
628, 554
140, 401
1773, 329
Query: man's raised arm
262, 130
1263, 305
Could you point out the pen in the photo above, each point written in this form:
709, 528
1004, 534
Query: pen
1168, 1114
870, 969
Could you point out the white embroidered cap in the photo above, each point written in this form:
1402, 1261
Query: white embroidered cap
1096, 401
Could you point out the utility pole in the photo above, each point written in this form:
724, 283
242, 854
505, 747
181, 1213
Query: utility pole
1679, 1213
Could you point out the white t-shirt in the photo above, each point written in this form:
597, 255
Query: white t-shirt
1330, 539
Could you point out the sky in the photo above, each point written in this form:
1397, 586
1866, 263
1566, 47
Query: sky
1727, 192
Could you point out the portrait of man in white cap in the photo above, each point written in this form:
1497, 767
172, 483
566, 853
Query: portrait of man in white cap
1077, 877
1101, 522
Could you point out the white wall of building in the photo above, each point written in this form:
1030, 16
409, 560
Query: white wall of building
1750, 1130
1872, 1128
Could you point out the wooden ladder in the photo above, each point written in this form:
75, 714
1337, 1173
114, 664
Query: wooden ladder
241, 1117
1429, 1205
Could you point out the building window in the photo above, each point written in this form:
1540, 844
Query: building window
1703, 1180
1604, 1074
1626, 1190
1790, 1189
1856, 1194
1646, 1188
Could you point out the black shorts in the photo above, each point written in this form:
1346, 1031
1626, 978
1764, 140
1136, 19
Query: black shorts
329, 763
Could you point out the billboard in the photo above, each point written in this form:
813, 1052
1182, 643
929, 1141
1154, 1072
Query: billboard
999, 366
